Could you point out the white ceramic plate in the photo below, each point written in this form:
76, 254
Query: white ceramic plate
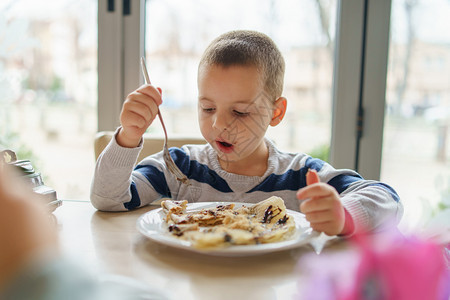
152, 225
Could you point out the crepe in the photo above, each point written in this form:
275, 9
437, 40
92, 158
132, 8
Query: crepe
225, 225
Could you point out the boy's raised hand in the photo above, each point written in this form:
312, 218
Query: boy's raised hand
322, 205
138, 112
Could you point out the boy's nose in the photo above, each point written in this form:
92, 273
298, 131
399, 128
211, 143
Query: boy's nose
220, 122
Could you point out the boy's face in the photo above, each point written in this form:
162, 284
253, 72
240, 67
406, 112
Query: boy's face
234, 111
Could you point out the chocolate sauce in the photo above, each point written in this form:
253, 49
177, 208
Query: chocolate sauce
269, 214
283, 220
175, 230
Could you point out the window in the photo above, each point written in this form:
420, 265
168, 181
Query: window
48, 87
416, 144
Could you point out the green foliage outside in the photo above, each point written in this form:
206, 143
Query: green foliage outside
322, 152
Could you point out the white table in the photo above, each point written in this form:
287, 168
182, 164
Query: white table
110, 243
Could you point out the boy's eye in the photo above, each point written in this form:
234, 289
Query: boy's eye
240, 114
208, 109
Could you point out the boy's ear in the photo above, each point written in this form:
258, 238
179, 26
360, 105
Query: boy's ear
279, 111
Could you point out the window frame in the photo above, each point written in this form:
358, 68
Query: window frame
121, 34
359, 89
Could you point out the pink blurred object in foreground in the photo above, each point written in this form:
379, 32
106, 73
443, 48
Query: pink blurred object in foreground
400, 268
382, 266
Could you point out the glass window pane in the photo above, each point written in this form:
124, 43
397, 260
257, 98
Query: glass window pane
48, 88
178, 31
416, 147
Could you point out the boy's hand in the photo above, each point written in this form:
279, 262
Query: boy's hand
138, 112
322, 206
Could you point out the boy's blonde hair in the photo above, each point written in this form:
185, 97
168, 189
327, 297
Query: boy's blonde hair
248, 48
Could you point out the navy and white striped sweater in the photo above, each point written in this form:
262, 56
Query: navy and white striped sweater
117, 186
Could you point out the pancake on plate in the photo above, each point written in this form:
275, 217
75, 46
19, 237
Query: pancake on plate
225, 225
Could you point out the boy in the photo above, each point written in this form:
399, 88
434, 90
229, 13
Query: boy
240, 81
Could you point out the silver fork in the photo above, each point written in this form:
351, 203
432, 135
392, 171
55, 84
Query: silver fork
167, 158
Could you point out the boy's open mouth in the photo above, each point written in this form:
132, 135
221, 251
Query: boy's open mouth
225, 144
224, 147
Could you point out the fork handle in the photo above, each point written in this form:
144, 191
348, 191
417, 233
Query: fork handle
162, 123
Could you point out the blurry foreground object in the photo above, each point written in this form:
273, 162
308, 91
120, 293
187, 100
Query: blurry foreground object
31, 264
378, 267
26, 171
